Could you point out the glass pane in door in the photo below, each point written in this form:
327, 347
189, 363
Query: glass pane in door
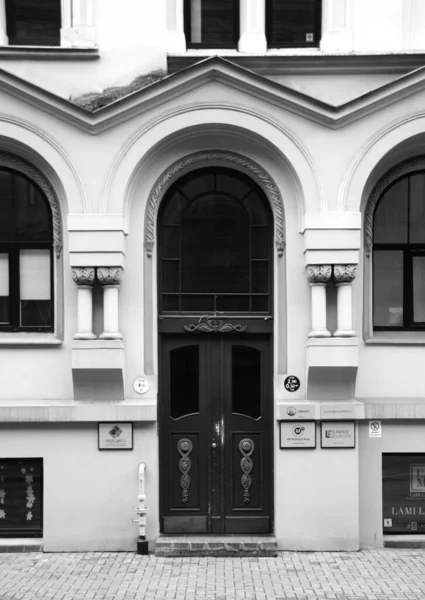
246, 381
184, 381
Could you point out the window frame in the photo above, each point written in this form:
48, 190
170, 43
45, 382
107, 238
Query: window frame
202, 45
317, 28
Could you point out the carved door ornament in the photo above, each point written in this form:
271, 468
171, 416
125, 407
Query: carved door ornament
185, 446
213, 325
246, 447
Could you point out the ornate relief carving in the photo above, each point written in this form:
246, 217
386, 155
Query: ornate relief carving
318, 273
217, 158
411, 164
185, 447
214, 326
15, 162
246, 447
83, 275
109, 275
345, 273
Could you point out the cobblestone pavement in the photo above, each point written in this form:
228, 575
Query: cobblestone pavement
372, 574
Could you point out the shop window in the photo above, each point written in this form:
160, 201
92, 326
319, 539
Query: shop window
211, 23
21, 497
293, 23
26, 246
32, 23
399, 255
403, 488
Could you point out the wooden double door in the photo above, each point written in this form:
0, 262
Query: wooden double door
216, 433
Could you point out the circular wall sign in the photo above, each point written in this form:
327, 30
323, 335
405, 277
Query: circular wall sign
292, 383
141, 385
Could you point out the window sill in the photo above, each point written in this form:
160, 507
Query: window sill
396, 338
29, 339
48, 52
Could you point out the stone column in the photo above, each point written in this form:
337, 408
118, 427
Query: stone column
318, 277
336, 26
4, 40
110, 278
252, 26
84, 278
344, 275
77, 24
176, 39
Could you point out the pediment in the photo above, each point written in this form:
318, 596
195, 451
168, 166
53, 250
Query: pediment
219, 70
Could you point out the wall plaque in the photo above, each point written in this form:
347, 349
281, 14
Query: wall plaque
338, 434
297, 434
115, 436
295, 412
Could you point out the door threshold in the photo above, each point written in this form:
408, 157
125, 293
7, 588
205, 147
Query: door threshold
216, 545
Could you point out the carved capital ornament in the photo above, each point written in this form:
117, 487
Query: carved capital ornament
345, 273
109, 275
83, 275
318, 273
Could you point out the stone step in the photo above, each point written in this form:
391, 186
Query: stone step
216, 545
404, 541
21, 545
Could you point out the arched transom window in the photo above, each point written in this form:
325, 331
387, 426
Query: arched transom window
26, 242
215, 245
399, 255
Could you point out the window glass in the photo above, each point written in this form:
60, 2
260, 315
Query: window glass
4, 288
417, 209
293, 22
212, 23
391, 220
419, 289
246, 381
31, 23
184, 381
388, 289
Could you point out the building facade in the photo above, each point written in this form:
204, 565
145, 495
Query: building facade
212, 262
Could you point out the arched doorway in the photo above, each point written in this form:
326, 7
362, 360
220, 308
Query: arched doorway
215, 303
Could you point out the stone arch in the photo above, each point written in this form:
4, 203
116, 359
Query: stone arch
17, 163
197, 160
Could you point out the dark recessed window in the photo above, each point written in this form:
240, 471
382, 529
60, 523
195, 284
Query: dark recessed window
31, 23
399, 255
293, 23
26, 241
215, 237
211, 23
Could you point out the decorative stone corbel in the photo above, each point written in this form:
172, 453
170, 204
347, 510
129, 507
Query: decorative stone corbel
344, 275
110, 279
84, 278
318, 277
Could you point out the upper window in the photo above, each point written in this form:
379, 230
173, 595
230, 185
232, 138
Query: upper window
32, 23
212, 23
215, 245
399, 255
26, 243
293, 23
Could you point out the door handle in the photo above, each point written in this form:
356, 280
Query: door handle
213, 445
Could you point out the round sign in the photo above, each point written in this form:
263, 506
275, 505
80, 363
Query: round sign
292, 383
141, 385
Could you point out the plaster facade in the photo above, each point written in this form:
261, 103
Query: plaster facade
324, 135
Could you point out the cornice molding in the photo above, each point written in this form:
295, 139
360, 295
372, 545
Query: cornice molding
12, 161
208, 158
407, 166
219, 70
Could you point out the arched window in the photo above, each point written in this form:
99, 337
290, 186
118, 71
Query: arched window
399, 255
215, 245
26, 246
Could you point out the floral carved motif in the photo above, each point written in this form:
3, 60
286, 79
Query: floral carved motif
411, 164
14, 162
185, 447
246, 447
83, 275
109, 275
345, 273
208, 158
318, 273
212, 325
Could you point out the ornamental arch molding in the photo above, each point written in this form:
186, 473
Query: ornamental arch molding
198, 160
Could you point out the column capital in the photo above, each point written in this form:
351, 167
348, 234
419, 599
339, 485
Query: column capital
318, 273
344, 273
109, 275
83, 275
